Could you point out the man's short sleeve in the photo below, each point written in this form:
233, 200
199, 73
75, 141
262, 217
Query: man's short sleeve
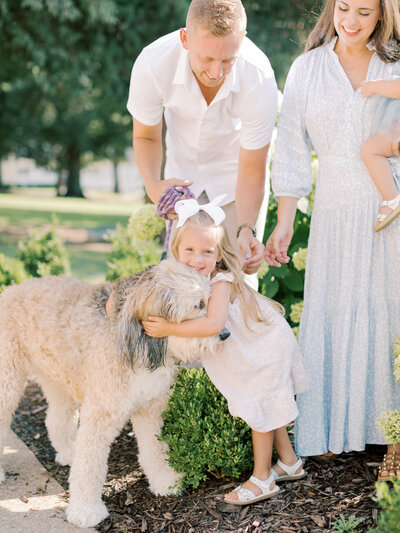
145, 102
259, 114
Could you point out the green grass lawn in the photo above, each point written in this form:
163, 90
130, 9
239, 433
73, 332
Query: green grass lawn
32, 208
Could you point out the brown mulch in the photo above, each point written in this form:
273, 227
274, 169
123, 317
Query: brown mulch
342, 485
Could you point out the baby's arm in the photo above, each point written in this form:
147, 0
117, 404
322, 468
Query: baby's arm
211, 324
388, 88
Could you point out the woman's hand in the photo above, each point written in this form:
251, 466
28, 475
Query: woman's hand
368, 88
278, 244
156, 326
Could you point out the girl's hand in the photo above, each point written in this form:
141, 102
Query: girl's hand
367, 88
278, 244
156, 326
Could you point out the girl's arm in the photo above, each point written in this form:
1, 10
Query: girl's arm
211, 324
388, 88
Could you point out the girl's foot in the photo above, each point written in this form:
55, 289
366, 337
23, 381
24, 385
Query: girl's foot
253, 490
292, 471
390, 209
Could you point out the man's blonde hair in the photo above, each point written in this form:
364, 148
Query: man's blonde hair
219, 17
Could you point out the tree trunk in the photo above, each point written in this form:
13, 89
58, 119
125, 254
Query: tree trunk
73, 180
115, 173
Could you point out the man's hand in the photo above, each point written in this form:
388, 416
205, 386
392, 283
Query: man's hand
278, 244
156, 189
251, 249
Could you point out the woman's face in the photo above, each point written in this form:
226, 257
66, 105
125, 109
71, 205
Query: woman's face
355, 20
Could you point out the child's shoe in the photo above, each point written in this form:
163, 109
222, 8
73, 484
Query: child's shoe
290, 471
383, 219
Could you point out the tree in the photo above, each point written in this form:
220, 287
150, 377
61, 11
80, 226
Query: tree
67, 64
280, 28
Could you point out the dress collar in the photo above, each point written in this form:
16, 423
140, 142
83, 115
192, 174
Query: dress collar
331, 44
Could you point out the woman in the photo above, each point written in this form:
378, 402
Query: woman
351, 312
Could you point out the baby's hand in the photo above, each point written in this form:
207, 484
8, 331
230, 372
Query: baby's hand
367, 88
156, 326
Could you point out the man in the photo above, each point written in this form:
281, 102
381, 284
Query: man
219, 98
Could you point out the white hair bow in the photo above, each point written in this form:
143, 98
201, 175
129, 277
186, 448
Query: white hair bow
187, 208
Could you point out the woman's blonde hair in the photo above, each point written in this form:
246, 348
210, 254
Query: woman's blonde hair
219, 17
230, 261
385, 37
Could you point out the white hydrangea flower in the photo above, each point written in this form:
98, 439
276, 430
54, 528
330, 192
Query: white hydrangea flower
295, 312
300, 258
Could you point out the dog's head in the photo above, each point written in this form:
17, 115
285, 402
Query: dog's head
171, 290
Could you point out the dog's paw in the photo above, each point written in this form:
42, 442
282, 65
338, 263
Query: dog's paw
64, 458
2, 475
168, 483
86, 515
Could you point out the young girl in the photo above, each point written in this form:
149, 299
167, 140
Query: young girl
259, 369
385, 143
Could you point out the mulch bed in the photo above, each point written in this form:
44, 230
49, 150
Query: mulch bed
342, 485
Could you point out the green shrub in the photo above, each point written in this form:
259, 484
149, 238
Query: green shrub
130, 255
44, 253
202, 436
11, 271
389, 421
388, 497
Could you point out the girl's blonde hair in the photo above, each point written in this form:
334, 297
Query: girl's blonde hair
230, 262
385, 37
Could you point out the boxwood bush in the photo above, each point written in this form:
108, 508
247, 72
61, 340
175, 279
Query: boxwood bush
44, 253
11, 271
202, 436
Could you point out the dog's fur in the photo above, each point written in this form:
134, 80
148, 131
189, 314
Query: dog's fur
57, 330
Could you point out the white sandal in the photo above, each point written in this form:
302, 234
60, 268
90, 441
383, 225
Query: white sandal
385, 220
246, 496
290, 471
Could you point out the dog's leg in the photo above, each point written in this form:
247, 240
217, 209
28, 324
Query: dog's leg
12, 384
147, 423
61, 420
99, 425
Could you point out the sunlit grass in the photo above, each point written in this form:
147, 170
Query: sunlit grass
25, 209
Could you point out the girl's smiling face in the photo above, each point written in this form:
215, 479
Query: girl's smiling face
198, 249
355, 20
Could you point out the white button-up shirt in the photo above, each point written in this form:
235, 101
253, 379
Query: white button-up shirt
203, 141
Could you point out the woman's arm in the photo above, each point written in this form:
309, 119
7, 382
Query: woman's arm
388, 88
211, 324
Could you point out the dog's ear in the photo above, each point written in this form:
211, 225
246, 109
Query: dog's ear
134, 346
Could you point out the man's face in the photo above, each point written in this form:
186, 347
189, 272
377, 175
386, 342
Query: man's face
211, 58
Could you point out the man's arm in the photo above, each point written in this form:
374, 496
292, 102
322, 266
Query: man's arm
249, 196
148, 150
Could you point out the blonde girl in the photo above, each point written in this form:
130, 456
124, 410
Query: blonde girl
259, 368
385, 143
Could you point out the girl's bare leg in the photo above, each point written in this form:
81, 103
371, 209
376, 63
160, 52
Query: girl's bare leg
374, 153
285, 450
262, 451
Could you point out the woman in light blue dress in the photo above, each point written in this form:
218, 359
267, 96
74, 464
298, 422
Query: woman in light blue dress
351, 313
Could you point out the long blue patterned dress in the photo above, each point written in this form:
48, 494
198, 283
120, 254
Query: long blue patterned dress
351, 312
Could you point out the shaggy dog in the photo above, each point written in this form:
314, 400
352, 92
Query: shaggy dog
56, 330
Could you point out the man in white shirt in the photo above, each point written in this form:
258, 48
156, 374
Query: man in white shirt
219, 97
